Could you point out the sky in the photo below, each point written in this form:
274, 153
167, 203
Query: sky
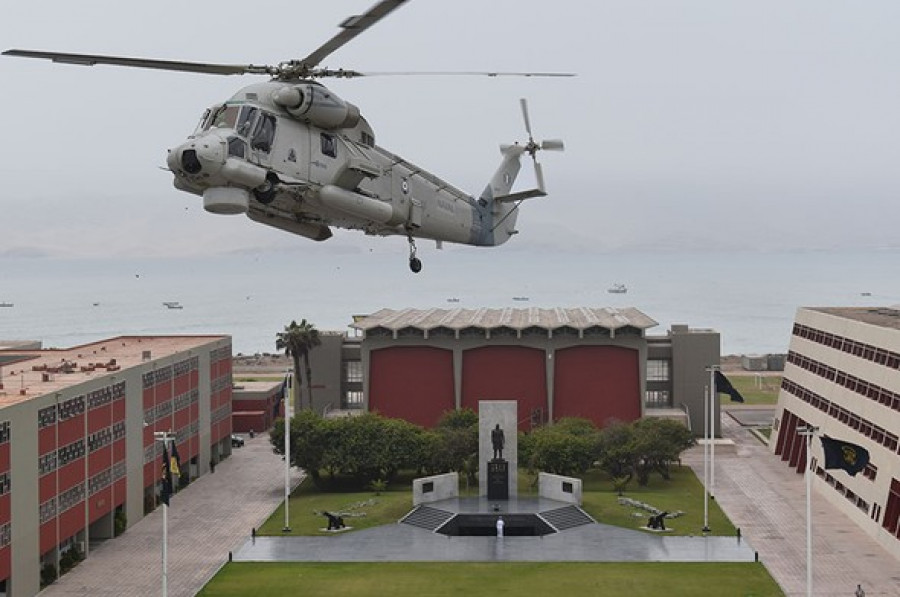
696, 124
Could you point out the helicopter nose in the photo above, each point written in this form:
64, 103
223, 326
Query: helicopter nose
205, 155
189, 161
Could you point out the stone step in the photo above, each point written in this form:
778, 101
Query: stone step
567, 517
426, 517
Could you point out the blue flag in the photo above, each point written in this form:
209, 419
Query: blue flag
844, 455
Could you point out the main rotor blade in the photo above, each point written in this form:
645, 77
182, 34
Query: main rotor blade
445, 73
352, 27
190, 67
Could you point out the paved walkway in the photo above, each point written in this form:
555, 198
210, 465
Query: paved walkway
766, 499
212, 516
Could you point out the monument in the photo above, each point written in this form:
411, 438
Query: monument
497, 439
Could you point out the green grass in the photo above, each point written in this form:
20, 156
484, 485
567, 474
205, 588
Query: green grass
683, 492
746, 384
306, 500
416, 579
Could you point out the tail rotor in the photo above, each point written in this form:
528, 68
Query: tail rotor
532, 147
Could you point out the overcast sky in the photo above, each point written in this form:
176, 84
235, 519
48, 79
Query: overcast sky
738, 124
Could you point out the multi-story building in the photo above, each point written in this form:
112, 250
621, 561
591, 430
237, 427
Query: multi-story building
583, 362
843, 377
78, 458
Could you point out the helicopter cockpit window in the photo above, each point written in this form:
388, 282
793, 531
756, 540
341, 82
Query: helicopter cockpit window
204, 121
226, 117
246, 120
328, 145
237, 147
264, 134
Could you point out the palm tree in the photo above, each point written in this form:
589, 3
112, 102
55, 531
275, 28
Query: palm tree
297, 340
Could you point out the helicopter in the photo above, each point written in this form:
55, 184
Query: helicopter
291, 154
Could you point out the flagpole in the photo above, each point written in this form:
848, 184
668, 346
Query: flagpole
288, 398
809, 431
713, 396
706, 463
164, 437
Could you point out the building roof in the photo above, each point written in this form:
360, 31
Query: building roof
27, 374
579, 318
886, 317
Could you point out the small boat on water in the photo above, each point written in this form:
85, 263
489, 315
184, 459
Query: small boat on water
453, 300
5, 304
520, 298
617, 289
173, 305
865, 294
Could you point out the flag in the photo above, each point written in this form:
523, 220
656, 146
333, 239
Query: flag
723, 386
844, 455
166, 492
175, 462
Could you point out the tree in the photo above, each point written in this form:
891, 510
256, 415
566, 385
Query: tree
296, 341
657, 442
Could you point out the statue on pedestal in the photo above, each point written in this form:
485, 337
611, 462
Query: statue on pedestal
498, 441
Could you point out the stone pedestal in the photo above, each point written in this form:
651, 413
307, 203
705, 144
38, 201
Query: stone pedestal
498, 480
491, 414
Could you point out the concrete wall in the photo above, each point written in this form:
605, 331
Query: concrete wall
692, 352
554, 487
443, 487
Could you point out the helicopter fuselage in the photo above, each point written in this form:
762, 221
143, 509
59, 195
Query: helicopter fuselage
294, 156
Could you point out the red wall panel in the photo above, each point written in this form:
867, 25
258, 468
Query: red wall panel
5, 511
71, 430
99, 418
4, 457
100, 503
414, 383
5, 562
46, 487
71, 474
599, 383
48, 536
46, 440
505, 373
99, 461
71, 521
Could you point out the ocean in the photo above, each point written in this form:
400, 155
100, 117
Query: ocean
750, 298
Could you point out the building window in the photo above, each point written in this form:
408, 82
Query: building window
353, 372
658, 370
353, 399
658, 399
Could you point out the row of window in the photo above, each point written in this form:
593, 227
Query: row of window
860, 349
106, 395
4, 432
5, 535
503, 331
854, 384
104, 479
221, 413
221, 383
186, 366
845, 491
658, 370
5, 483
186, 399
71, 497
865, 427
220, 354
157, 376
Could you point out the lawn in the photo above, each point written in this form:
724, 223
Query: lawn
755, 390
435, 579
683, 492
360, 509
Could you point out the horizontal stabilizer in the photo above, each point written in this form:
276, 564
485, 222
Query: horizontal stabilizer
520, 195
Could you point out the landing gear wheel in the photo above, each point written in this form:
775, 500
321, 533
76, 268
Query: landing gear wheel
265, 194
414, 264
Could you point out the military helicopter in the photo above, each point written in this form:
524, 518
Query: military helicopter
289, 153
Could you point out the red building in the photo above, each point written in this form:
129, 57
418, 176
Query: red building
596, 363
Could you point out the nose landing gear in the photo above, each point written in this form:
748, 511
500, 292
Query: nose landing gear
415, 264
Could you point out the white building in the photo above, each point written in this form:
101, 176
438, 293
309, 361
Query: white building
843, 376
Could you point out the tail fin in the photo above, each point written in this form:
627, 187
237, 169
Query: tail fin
499, 206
